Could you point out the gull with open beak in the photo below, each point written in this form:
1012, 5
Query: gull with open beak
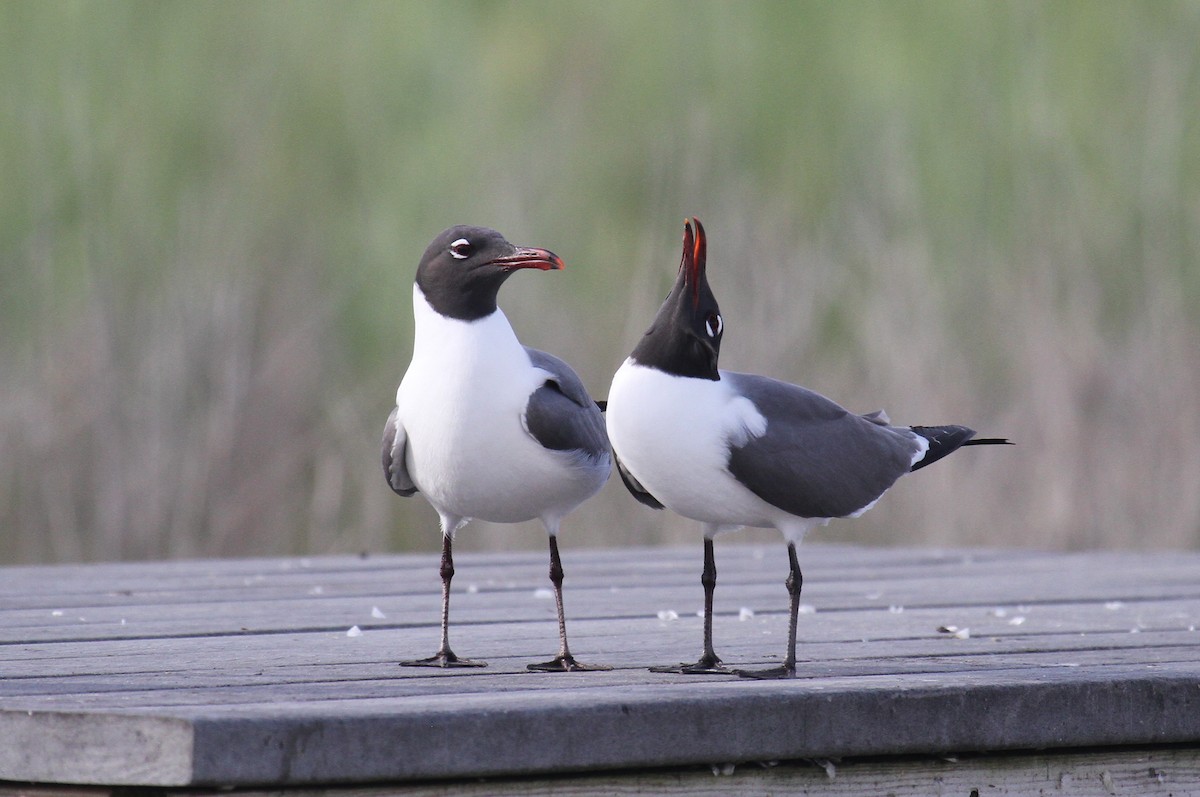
733, 450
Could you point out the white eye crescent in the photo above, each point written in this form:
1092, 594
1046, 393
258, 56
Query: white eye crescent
712, 324
460, 249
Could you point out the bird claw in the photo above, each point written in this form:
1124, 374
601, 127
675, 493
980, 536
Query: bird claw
706, 666
566, 664
770, 674
444, 659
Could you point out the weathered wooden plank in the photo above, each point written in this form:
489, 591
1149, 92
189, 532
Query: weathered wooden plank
941, 582
68, 747
339, 660
330, 613
199, 691
1156, 772
321, 658
736, 568
1042, 629
255, 661
649, 726
390, 574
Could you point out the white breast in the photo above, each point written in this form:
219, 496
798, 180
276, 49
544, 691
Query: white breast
461, 403
673, 434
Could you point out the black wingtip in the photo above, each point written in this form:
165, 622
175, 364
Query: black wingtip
944, 440
602, 404
635, 488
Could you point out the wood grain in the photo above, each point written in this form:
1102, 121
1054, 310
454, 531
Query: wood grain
235, 673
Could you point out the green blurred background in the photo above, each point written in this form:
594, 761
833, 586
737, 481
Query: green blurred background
210, 215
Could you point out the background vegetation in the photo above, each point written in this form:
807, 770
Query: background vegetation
986, 213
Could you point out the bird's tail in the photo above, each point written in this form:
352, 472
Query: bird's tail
944, 440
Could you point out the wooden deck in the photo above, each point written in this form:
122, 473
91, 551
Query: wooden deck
246, 674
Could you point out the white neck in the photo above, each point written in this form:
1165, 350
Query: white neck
452, 339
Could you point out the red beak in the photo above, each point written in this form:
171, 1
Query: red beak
529, 257
695, 255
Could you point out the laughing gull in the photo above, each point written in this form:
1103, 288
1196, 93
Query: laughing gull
734, 450
483, 426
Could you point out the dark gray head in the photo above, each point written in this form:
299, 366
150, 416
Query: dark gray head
685, 338
462, 270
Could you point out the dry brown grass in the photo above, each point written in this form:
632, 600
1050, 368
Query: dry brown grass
986, 215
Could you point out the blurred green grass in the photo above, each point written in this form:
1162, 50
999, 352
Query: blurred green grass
985, 213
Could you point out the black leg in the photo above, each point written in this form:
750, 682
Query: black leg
708, 664
794, 583
445, 656
564, 661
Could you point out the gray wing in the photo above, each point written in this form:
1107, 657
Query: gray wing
560, 414
816, 459
395, 444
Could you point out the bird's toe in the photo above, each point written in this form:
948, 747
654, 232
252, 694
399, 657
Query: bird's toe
769, 674
566, 663
444, 659
704, 666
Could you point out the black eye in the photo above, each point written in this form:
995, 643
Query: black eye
712, 324
460, 249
